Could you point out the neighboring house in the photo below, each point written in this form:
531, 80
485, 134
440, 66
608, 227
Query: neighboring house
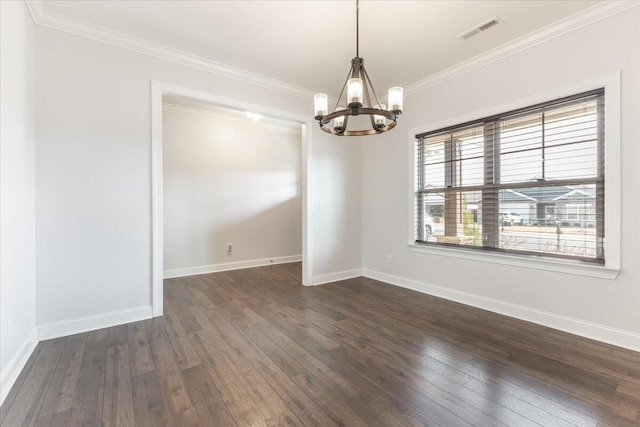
567, 205
549, 205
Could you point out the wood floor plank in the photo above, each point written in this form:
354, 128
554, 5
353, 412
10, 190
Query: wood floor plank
179, 302
293, 396
86, 408
139, 351
253, 347
240, 404
59, 396
169, 376
26, 407
117, 336
148, 407
17, 388
207, 399
230, 345
305, 378
184, 353
118, 394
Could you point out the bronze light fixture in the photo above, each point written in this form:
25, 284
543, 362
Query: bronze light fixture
358, 101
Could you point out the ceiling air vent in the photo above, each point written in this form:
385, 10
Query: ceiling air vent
479, 28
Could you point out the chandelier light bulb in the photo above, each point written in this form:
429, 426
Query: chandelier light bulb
380, 121
395, 99
338, 122
320, 102
354, 92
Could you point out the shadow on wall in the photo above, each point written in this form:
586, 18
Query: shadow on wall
255, 227
273, 232
228, 183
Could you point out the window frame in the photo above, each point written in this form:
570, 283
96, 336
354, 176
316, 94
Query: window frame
612, 134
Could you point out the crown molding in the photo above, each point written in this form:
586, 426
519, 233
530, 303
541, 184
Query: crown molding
41, 16
36, 9
588, 16
294, 129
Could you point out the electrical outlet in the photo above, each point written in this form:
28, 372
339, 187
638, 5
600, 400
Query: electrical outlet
229, 248
389, 259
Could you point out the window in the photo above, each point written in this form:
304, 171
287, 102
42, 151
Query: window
529, 181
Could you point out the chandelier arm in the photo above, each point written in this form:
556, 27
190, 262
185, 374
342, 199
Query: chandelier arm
366, 75
373, 122
365, 90
343, 86
367, 98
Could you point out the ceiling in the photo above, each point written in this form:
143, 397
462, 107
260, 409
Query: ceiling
265, 121
310, 43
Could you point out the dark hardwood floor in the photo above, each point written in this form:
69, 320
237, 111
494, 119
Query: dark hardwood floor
254, 347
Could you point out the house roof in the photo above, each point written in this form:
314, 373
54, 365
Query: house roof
586, 193
546, 194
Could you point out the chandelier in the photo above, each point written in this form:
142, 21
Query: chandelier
358, 102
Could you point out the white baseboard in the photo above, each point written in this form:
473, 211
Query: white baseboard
91, 323
618, 337
337, 276
214, 268
11, 370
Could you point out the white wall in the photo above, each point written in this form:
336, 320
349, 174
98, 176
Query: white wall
596, 304
337, 221
17, 241
228, 181
93, 177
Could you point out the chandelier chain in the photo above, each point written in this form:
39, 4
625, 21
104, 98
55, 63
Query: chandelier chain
358, 28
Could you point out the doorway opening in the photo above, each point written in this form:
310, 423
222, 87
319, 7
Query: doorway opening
214, 104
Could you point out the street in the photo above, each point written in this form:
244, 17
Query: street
573, 240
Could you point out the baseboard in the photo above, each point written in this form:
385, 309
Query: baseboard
215, 268
91, 323
337, 276
618, 337
11, 370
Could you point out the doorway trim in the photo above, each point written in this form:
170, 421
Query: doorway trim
158, 89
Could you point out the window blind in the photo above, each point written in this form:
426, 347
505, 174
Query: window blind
529, 181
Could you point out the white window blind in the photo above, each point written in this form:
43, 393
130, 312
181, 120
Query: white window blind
529, 181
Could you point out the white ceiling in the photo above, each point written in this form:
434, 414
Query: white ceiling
310, 43
265, 121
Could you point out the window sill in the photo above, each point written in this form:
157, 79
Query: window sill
524, 261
